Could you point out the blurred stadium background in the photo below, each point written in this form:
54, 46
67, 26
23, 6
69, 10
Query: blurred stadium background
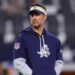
61, 22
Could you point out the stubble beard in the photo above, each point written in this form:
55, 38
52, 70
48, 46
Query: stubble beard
36, 27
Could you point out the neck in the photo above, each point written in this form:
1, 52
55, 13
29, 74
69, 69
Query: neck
39, 30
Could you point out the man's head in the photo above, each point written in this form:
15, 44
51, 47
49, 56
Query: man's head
38, 15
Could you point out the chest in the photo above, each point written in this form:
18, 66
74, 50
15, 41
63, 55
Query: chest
35, 46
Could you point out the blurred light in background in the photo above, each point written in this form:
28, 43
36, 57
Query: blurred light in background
60, 22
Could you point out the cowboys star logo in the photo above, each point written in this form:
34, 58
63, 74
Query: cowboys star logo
44, 52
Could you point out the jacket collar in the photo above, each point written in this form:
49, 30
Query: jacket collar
32, 31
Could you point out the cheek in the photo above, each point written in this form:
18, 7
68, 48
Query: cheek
41, 19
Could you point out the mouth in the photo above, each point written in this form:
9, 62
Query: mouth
35, 22
36, 27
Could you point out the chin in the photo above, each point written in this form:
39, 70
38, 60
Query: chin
36, 27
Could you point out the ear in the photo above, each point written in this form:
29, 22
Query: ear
45, 17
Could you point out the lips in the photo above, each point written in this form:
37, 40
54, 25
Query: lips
35, 21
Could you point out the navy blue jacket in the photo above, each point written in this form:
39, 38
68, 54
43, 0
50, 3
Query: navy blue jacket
28, 47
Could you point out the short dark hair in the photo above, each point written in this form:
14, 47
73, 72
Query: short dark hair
36, 4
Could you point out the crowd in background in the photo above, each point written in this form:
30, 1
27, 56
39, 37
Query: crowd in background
14, 18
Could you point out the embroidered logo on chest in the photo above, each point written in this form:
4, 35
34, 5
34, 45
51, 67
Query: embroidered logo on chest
44, 52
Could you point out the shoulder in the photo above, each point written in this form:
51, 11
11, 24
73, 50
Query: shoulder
24, 32
53, 37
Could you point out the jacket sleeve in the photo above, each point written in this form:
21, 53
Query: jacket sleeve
21, 65
20, 50
59, 59
20, 57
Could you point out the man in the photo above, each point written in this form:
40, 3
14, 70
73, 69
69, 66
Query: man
36, 51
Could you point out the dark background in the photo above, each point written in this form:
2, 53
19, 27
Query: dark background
61, 22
